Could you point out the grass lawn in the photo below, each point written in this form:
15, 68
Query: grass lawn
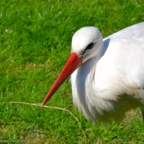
35, 42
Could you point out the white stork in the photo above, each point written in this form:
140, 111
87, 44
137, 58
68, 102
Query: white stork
107, 75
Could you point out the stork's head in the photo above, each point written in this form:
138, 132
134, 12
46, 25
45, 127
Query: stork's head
86, 43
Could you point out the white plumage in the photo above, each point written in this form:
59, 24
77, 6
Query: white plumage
109, 76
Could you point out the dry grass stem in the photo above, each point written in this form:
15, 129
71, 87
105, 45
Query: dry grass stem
39, 105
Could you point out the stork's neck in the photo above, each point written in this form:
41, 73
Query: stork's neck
83, 83
84, 75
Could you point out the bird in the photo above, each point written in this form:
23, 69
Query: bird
107, 74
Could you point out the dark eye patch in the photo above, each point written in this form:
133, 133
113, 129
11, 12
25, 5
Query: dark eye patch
89, 46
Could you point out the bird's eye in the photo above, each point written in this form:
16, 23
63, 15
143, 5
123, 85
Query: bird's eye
90, 46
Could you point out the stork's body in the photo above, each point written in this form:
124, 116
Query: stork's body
110, 80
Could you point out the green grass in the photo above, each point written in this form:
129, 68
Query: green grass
35, 41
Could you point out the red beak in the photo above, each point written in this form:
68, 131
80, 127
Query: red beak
71, 65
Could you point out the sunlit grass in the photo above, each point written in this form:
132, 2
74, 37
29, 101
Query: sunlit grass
35, 41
